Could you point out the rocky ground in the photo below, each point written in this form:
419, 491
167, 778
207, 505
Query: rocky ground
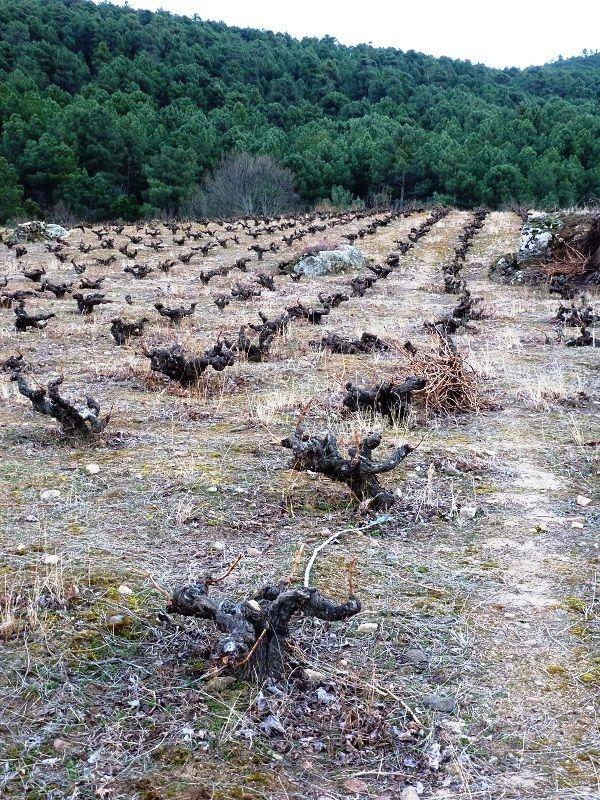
473, 669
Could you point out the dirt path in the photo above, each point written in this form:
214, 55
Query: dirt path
482, 584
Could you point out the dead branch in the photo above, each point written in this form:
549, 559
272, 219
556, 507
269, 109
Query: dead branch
451, 387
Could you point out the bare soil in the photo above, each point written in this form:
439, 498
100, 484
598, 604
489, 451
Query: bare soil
482, 581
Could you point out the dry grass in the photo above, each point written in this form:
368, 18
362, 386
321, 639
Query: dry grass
474, 568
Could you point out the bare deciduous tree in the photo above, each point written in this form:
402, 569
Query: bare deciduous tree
243, 185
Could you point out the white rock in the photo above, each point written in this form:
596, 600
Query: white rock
409, 793
36, 231
314, 677
367, 627
118, 621
330, 262
124, 590
468, 512
212, 489
49, 494
583, 501
576, 524
50, 559
253, 551
92, 469
218, 546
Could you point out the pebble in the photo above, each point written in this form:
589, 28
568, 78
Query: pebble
218, 546
468, 512
409, 793
60, 745
367, 627
314, 677
220, 683
356, 786
444, 704
254, 552
49, 559
124, 589
583, 501
49, 494
416, 656
92, 469
450, 469
118, 621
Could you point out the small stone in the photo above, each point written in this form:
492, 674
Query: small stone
49, 494
468, 512
416, 656
50, 559
409, 793
254, 552
583, 501
21, 548
444, 704
125, 590
212, 489
221, 683
355, 785
314, 677
8, 629
92, 469
60, 745
272, 726
118, 621
450, 469
218, 547
577, 525
367, 627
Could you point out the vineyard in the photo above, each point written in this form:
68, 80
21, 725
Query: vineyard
270, 532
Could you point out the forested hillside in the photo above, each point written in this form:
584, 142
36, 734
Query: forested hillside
113, 112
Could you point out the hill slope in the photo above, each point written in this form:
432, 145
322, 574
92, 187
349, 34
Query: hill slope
114, 111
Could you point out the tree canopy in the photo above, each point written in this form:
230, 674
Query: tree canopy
114, 112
